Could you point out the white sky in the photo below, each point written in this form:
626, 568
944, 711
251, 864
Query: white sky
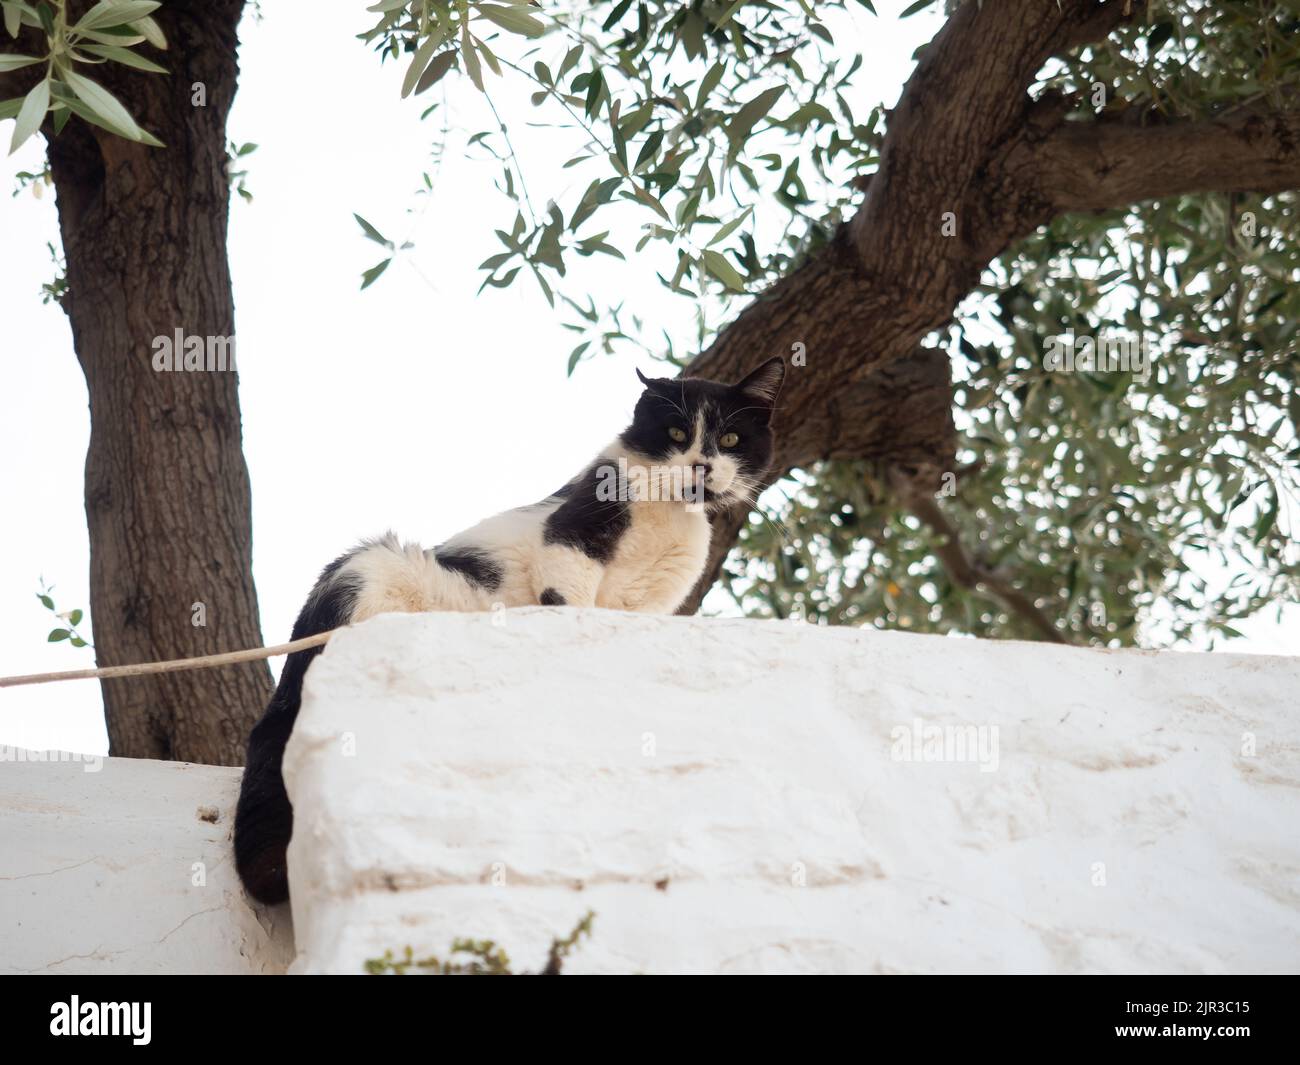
398, 407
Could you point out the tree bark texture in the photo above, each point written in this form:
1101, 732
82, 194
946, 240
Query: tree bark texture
167, 490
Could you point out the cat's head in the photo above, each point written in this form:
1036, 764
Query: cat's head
716, 437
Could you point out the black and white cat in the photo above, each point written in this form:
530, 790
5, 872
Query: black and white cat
630, 532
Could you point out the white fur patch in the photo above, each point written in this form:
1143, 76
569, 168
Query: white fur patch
656, 562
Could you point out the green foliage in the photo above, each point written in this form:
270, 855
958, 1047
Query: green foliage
38, 183
70, 618
1152, 510
54, 291
481, 957
107, 33
691, 116
372, 275
478, 957
1192, 57
237, 177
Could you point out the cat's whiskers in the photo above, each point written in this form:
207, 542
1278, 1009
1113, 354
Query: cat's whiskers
750, 498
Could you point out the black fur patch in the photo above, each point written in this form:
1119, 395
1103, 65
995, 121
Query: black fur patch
586, 522
264, 815
550, 597
475, 566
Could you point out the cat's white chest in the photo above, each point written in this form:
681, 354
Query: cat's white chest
658, 560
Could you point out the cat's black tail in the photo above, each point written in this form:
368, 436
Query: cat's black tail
264, 816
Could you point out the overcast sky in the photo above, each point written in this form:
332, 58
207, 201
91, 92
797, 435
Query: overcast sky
399, 407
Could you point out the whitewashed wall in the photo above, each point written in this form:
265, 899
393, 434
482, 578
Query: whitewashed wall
732, 796
118, 865
724, 795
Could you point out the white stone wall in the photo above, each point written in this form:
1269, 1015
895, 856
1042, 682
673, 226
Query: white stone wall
731, 796
118, 865
725, 796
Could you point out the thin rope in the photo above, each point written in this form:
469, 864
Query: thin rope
176, 665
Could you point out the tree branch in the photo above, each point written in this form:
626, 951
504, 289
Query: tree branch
896, 271
1093, 166
965, 571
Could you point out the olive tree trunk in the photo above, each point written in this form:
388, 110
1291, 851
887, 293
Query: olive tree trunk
167, 491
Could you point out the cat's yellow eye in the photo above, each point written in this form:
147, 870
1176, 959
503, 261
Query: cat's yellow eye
729, 440
677, 434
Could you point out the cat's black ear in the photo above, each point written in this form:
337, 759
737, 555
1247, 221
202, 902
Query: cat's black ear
653, 382
764, 384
